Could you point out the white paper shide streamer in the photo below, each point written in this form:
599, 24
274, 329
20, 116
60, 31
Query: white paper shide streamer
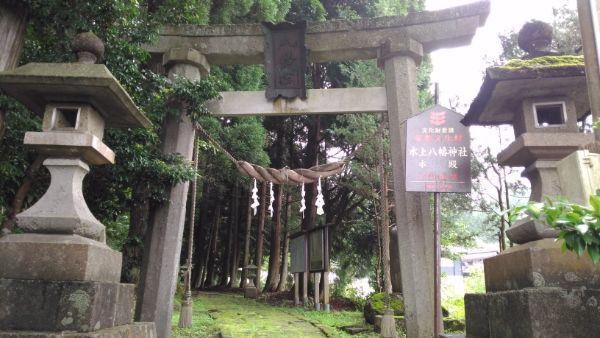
255, 202
302, 201
320, 201
272, 198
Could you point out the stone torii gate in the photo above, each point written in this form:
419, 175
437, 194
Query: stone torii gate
398, 43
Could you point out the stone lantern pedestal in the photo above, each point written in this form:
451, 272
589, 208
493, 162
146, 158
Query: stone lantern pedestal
250, 290
534, 289
59, 278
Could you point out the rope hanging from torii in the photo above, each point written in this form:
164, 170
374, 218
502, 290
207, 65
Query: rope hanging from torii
279, 176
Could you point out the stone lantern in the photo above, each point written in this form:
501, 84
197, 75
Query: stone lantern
61, 275
543, 104
542, 97
250, 290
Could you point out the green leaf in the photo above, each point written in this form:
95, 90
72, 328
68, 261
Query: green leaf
595, 202
594, 252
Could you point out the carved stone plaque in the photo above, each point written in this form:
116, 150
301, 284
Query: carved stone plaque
285, 60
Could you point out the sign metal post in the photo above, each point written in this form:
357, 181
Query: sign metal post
438, 159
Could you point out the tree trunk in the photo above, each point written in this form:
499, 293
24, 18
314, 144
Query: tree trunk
133, 249
235, 224
246, 260
275, 247
312, 159
378, 263
227, 250
501, 235
211, 258
286, 245
260, 233
13, 22
202, 249
21, 194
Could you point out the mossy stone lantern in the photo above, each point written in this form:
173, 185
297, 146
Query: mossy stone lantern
250, 290
542, 98
535, 289
62, 277
77, 102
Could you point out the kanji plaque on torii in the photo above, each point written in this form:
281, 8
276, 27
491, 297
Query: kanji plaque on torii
437, 152
285, 60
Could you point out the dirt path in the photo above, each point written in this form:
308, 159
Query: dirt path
237, 317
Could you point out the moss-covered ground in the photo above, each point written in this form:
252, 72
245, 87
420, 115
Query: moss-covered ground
231, 315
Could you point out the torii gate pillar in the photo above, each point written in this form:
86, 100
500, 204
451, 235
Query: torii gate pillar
160, 266
414, 228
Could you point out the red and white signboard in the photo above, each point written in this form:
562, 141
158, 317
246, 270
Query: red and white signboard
438, 157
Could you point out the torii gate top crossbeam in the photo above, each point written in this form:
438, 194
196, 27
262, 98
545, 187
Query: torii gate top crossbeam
335, 40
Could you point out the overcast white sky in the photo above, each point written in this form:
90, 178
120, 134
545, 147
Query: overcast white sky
460, 71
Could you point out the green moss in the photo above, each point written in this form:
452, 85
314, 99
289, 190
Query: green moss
544, 62
396, 303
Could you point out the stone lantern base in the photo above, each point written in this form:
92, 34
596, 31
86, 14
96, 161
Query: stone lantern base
64, 286
535, 290
125, 331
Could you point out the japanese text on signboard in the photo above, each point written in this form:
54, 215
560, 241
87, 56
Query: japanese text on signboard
437, 152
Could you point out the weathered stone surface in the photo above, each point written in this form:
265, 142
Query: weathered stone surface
476, 311
62, 209
319, 101
125, 307
160, 265
87, 119
414, 226
37, 84
251, 292
88, 47
190, 56
135, 330
587, 23
69, 144
525, 120
329, 41
57, 305
58, 257
530, 147
539, 312
579, 176
540, 264
528, 230
503, 90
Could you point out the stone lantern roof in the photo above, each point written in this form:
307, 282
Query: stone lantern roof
37, 84
505, 87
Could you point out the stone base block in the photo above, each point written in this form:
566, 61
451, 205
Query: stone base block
251, 292
135, 330
536, 313
64, 306
529, 230
538, 264
58, 257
